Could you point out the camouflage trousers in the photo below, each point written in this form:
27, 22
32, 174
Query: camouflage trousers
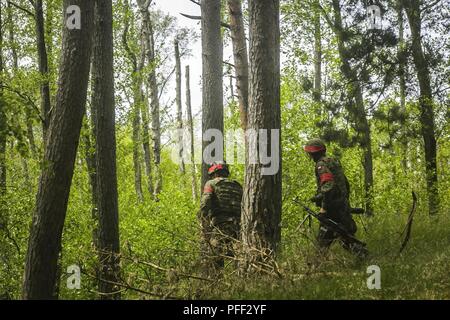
327, 236
219, 243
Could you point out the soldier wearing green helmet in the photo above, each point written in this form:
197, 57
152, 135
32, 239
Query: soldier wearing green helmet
332, 196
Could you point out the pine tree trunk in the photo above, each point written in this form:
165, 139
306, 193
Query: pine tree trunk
190, 124
179, 106
103, 103
412, 9
359, 116
240, 56
56, 177
212, 80
43, 67
261, 207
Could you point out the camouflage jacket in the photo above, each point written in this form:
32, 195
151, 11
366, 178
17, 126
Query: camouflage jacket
332, 185
221, 199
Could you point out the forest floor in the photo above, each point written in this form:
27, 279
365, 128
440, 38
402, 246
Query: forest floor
419, 272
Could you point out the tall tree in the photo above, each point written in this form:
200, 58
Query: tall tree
62, 143
136, 79
3, 123
261, 207
358, 113
240, 56
103, 103
147, 29
414, 14
212, 81
179, 105
317, 53
401, 56
190, 124
43, 66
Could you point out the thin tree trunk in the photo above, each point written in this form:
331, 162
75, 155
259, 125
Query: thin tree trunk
179, 105
402, 82
412, 9
240, 56
154, 96
136, 80
190, 124
261, 207
3, 127
212, 81
15, 61
56, 177
360, 116
146, 143
317, 56
103, 103
43, 67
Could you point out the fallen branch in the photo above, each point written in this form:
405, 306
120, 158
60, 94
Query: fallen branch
409, 224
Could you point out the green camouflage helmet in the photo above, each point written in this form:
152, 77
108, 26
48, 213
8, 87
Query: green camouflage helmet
315, 145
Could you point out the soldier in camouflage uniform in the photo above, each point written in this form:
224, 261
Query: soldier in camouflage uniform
220, 213
332, 197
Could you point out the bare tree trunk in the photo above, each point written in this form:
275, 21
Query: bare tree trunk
190, 124
240, 56
103, 103
137, 143
154, 97
212, 81
412, 9
136, 80
401, 55
43, 67
146, 143
3, 126
360, 116
56, 177
179, 105
261, 207
317, 56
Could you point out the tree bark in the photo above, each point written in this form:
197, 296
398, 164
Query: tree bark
412, 9
63, 136
240, 56
179, 105
136, 79
317, 56
43, 67
3, 127
360, 116
402, 81
261, 207
103, 103
154, 96
212, 81
190, 124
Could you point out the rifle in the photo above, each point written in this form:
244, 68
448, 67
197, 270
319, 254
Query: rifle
318, 199
329, 223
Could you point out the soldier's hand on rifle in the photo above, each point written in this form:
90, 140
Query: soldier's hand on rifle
317, 199
322, 211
